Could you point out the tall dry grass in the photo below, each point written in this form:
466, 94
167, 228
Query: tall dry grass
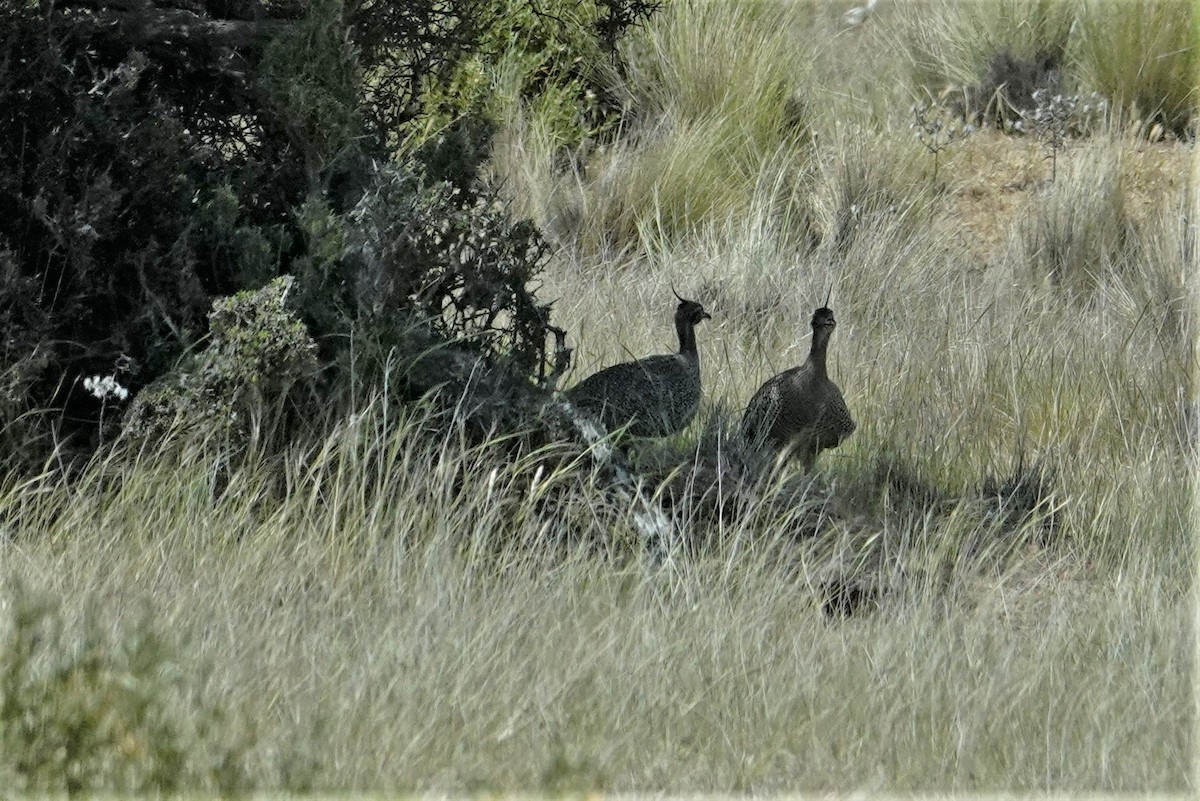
409, 636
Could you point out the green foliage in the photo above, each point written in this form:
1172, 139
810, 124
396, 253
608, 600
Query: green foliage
320, 298
141, 181
450, 258
1142, 55
257, 351
414, 252
137, 182
402, 49
23, 357
97, 711
309, 76
95, 200
251, 253
552, 56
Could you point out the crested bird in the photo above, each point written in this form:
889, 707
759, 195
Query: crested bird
653, 396
801, 411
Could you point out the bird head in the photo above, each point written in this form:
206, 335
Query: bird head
823, 319
689, 311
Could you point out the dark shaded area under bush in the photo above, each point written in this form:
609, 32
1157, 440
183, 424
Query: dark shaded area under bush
157, 155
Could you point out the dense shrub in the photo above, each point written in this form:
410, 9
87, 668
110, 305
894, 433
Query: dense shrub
553, 55
153, 160
137, 182
257, 350
452, 257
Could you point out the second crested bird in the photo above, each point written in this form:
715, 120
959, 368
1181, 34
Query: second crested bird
654, 396
801, 411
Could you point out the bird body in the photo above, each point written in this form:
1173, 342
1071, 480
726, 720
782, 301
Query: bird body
654, 396
801, 410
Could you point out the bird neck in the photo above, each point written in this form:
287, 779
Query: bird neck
687, 340
820, 343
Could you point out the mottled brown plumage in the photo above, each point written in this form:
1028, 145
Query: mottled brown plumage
801, 410
654, 396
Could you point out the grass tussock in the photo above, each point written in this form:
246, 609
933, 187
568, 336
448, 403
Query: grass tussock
1142, 55
1079, 232
952, 44
714, 113
1139, 55
371, 629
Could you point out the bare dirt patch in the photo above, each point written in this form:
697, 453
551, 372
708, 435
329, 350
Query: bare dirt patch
996, 176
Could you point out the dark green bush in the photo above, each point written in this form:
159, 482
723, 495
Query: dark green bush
257, 350
554, 55
114, 156
453, 258
155, 159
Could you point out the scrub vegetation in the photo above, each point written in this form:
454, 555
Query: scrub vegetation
288, 501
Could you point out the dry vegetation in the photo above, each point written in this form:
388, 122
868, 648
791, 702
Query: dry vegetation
380, 611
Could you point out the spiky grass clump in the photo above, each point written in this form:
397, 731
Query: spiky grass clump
712, 103
1142, 55
392, 611
1080, 228
725, 61
951, 43
1139, 55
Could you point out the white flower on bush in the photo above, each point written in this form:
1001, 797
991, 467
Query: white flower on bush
105, 387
